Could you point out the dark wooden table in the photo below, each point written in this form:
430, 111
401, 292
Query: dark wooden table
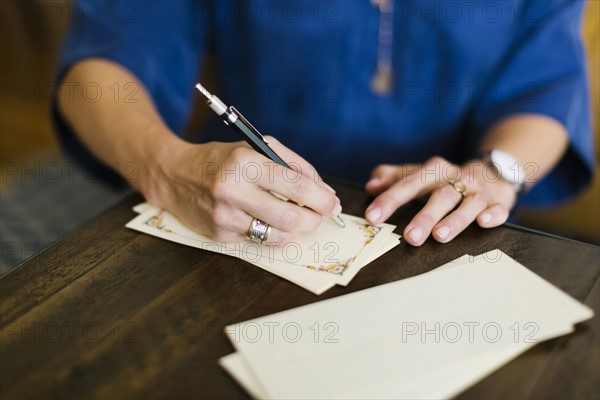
111, 313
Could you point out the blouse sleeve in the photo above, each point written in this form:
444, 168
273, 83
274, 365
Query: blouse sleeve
543, 72
160, 42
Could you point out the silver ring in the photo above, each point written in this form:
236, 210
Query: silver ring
459, 186
259, 231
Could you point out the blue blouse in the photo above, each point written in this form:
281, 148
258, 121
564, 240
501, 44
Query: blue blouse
301, 71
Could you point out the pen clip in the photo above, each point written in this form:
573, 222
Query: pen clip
247, 123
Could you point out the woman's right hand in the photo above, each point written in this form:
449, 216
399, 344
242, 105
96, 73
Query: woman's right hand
218, 188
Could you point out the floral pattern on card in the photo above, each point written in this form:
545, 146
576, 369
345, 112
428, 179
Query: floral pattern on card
369, 233
157, 222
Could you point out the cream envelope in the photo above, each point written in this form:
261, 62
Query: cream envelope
238, 367
374, 357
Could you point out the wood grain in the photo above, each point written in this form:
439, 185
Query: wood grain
112, 313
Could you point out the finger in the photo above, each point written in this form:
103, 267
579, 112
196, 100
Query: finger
493, 216
411, 185
377, 185
220, 221
301, 189
275, 237
229, 225
394, 171
385, 175
230, 214
458, 220
385, 172
440, 203
389, 201
382, 178
283, 215
296, 162
258, 170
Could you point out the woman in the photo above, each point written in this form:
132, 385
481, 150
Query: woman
475, 104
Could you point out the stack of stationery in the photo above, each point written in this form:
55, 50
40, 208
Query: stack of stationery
317, 261
430, 336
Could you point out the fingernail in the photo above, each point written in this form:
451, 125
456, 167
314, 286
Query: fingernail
485, 218
442, 232
415, 234
337, 210
328, 187
374, 215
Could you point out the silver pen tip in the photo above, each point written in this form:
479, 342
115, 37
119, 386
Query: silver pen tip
339, 221
204, 92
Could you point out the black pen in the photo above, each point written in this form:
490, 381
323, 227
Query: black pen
236, 120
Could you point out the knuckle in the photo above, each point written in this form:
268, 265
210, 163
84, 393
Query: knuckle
307, 169
427, 219
313, 223
289, 220
460, 221
436, 160
221, 191
478, 200
296, 167
447, 194
219, 216
300, 188
240, 154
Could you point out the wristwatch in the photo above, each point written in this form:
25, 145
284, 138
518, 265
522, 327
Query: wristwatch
508, 167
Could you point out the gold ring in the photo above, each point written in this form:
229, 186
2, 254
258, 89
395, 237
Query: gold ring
259, 231
459, 186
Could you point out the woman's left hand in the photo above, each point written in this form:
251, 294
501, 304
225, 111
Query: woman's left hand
459, 196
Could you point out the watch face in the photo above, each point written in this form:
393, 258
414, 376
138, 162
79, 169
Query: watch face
509, 168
